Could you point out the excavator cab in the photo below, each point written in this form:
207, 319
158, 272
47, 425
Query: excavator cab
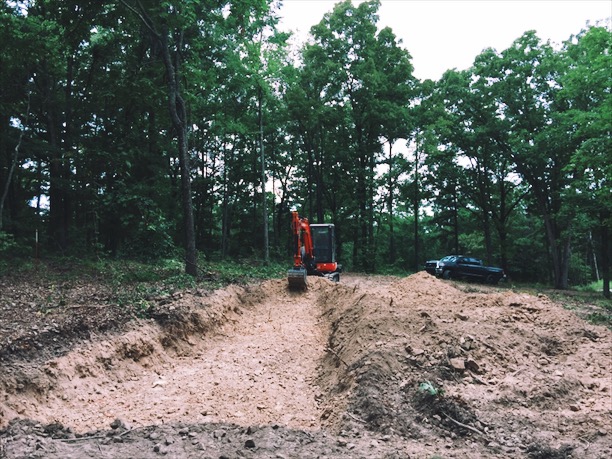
314, 252
324, 245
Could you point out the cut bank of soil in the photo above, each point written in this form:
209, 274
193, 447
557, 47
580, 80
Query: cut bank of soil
371, 367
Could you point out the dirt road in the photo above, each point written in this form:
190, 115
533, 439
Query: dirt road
371, 367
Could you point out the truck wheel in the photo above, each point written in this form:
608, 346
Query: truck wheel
336, 277
446, 274
491, 279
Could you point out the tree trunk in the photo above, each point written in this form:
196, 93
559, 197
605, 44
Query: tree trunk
371, 251
320, 211
456, 221
57, 198
501, 216
264, 210
178, 115
604, 218
191, 266
67, 146
390, 187
486, 223
13, 166
310, 182
503, 248
415, 209
319, 180
559, 252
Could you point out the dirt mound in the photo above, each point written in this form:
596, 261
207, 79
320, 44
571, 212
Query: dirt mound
372, 367
510, 371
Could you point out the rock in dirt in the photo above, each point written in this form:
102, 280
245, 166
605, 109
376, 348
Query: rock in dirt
458, 364
249, 444
116, 424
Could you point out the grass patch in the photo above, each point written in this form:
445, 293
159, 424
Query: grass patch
591, 306
587, 301
135, 283
592, 287
244, 271
601, 318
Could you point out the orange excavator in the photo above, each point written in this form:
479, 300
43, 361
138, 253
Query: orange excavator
314, 252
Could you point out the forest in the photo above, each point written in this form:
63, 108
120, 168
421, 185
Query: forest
144, 129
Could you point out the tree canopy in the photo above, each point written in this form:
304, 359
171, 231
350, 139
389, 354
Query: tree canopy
153, 129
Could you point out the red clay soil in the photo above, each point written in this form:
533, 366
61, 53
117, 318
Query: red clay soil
372, 367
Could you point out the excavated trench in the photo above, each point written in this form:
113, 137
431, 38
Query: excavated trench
335, 371
241, 356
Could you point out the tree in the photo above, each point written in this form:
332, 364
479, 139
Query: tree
14, 81
474, 128
167, 25
365, 80
585, 110
398, 123
527, 76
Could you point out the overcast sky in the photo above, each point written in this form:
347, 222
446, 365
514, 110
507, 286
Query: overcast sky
445, 34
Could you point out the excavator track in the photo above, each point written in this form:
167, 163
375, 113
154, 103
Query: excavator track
297, 279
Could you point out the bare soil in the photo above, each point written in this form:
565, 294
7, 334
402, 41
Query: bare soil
372, 367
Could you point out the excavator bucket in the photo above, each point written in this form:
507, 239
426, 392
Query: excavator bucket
297, 278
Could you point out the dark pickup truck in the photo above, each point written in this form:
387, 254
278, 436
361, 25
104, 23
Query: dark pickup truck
430, 266
460, 267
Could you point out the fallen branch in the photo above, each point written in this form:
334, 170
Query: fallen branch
478, 379
99, 437
329, 349
352, 416
465, 426
360, 298
70, 440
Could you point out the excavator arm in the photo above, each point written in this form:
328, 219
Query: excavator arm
302, 243
303, 252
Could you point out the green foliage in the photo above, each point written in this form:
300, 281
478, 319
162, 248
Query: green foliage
141, 307
580, 272
430, 389
168, 272
596, 286
13, 254
150, 237
7, 242
353, 90
472, 244
133, 285
603, 317
399, 268
507, 160
244, 271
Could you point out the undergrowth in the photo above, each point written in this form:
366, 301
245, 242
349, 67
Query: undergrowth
587, 303
243, 271
592, 287
133, 284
